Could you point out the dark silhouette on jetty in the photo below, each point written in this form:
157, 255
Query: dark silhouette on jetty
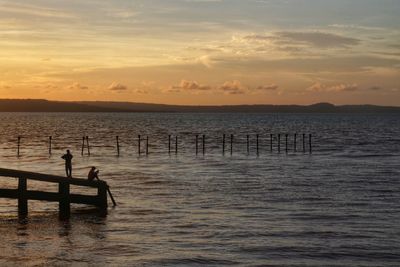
63, 196
68, 163
93, 174
41, 105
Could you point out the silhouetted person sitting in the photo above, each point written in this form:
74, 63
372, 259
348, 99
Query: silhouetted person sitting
68, 163
93, 174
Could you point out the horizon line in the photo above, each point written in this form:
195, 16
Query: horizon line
195, 105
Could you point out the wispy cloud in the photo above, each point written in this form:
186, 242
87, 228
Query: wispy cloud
189, 86
270, 87
115, 86
233, 88
34, 10
375, 88
318, 39
76, 86
342, 87
310, 38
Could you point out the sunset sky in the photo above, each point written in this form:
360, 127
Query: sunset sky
201, 52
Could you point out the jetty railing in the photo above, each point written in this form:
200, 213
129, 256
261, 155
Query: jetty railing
63, 196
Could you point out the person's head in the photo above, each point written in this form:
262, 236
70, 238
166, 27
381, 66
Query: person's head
93, 168
68, 152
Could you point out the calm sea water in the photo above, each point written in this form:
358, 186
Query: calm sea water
339, 206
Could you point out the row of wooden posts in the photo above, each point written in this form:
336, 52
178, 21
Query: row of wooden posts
86, 144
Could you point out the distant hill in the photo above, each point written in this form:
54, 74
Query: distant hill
315, 108
41, 105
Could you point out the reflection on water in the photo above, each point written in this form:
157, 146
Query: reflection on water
337, 207
43, 239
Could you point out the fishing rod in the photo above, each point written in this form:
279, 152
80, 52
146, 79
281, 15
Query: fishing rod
111, 196
108, 188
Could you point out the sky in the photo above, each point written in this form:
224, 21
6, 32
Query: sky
202, 52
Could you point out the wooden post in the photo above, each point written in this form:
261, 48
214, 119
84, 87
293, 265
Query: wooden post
304, 143
231, 144
64, 203
169, 144
176, 144
83, 145
223, 145
147, 145
88, 146
139, 144
286, 143
102, 198
204, 144
50, 138
197, 144
279, 143
295, 142
271, 136
258, 153
19, 142
117, 137
248, 145
309, 139
22, 199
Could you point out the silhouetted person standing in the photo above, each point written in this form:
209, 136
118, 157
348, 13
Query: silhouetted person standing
68, 163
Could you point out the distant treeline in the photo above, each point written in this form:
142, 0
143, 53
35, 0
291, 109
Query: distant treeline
41, 105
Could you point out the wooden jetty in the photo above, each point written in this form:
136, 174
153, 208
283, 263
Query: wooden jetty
63, 196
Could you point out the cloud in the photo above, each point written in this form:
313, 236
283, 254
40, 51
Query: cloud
171, 89
77, 86
386, 71
122, 14
34, 10
342, 87
202, 1
259, 38
49, 88
228, 87
117, 87
233, 88
357, 27
148, 84
316, 87
189, 86
205, 60
294, 40
318, 39
4, 85
270, 87
375, 88
141, 91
